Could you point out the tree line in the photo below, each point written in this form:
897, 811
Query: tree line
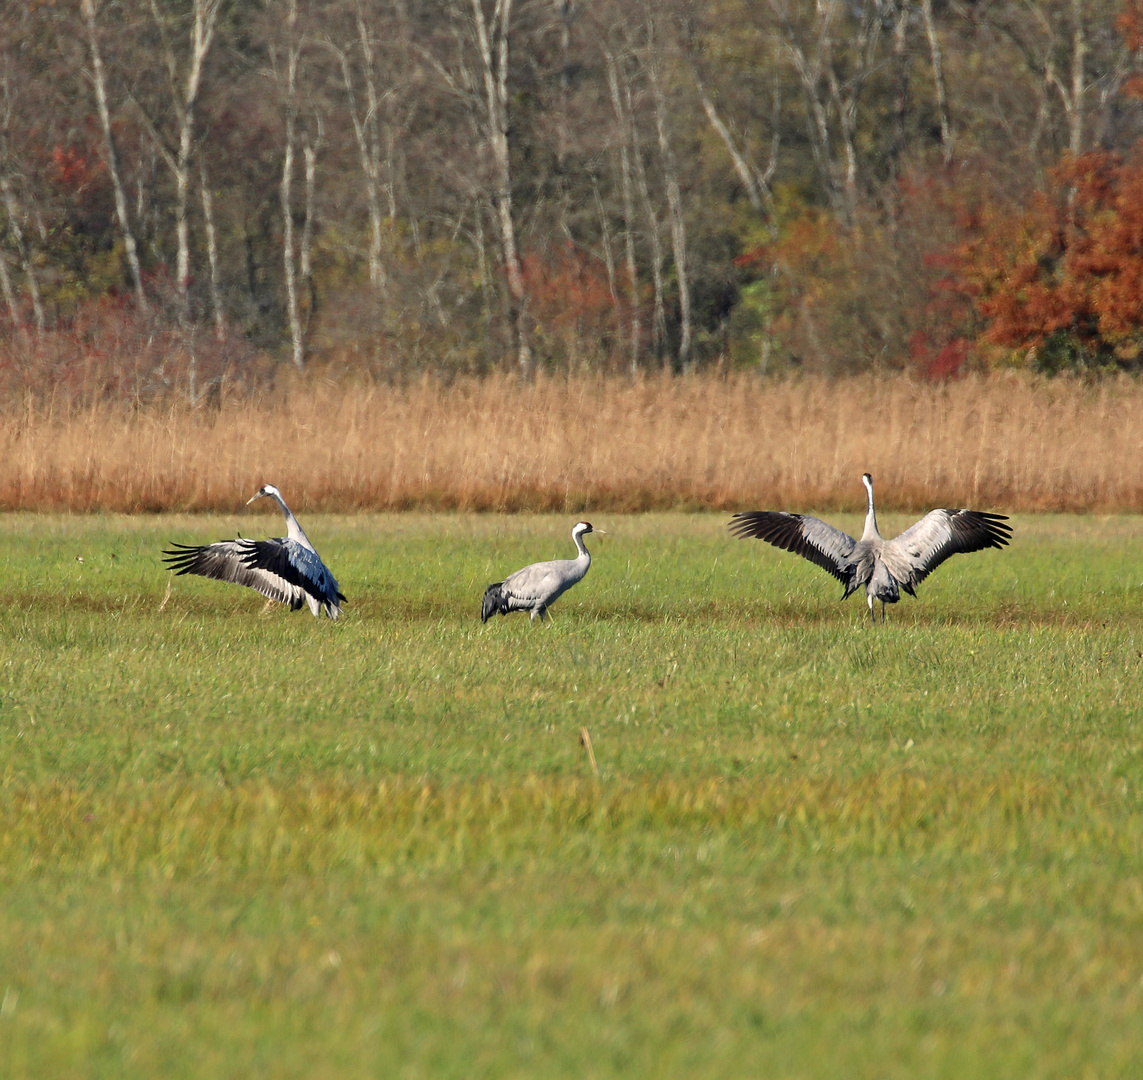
458, 185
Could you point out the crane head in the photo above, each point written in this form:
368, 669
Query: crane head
264, 490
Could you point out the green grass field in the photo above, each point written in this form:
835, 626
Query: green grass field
237, 844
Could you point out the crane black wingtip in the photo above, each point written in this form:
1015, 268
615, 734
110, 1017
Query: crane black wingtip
754, 524
181, 557
995, 527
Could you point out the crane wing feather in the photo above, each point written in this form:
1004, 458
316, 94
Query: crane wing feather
293, 563
542, 582
920, 549
519, 599
813, 539
226, 561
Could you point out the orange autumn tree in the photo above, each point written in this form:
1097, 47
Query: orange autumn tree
574, 307
1060, 285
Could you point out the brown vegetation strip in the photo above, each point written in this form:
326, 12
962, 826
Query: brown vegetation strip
569, 444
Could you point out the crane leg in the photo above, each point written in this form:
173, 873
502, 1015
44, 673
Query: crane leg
872, 617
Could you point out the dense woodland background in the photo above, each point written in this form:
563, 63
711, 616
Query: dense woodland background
204, 192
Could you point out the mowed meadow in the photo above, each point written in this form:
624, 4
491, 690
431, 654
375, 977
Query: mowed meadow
582, 442
708, 822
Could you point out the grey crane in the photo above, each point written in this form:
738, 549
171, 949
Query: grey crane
286, 569
882, 566
537, 587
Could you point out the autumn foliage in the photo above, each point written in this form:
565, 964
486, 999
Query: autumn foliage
571, 302
822, 189
1060, 284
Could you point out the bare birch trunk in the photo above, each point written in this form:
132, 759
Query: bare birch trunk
675, 216
1072, 89
9, 293
492, 40
756, 182
845, 106
368, 148
212, 253
391, 166
608, 254
1079, 53
305, 265
284, 195
937, 65
628, 210
13, 212
482, 262
636, 328
285, 190
818, 128
754, 189
658, 309
828, 95
184, 99
111, 158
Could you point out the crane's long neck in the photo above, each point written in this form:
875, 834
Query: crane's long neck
584, 555
293, 530
870, 532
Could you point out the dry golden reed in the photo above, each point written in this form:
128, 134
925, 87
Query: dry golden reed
572, 443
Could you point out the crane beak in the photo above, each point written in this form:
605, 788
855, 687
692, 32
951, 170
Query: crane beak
253, 497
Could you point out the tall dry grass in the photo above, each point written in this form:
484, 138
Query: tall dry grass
1004, 443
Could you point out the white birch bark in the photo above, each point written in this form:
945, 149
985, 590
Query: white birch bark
492, 37
9, 292
755, 181
212, 253
111, 158
285, 187
936, 62
829, 93
626, 185
654, 233
1079, 88
184, 89
675, 218
305, 253
365, 120
12, 209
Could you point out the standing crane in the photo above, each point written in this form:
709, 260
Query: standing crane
537, 587
882, 566
286, 569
